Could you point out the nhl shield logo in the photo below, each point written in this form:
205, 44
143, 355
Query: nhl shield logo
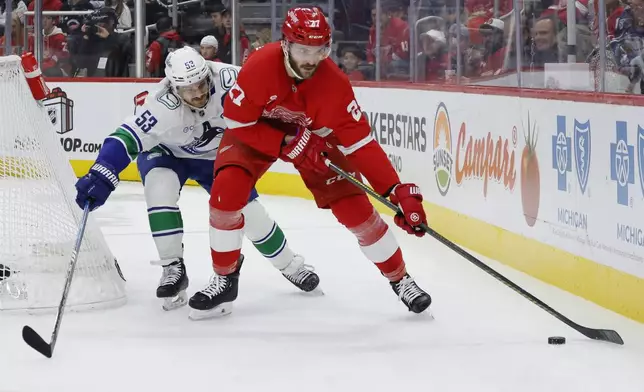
640, 151
52, 115
582, 149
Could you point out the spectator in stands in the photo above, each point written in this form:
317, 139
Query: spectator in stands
122, 13
72, 24
17, 39
223, 29
631, 22
432, 60
47, 5
455, 44
614, 9
544, 36
169, 40
102, 51
394, 41
480, 11
55, 55
216, 12
18, 8
208, 48
352, 57
494, 49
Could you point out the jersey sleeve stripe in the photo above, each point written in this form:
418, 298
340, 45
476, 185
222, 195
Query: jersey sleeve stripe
232, 124
354, 147
134, 135
166, 150
126, 139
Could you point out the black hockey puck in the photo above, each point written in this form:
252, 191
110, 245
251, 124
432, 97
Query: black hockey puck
556, 340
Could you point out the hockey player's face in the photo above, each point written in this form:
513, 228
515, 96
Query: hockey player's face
305, 59
195, 94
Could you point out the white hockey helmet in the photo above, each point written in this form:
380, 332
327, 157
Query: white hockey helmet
185, 68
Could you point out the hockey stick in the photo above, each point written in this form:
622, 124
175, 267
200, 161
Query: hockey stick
30, 336
596, 334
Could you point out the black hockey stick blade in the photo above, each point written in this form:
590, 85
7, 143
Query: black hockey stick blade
606, 335
32, 338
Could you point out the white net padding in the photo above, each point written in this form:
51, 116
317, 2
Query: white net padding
39, 218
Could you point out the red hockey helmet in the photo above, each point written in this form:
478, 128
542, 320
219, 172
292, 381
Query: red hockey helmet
306, 26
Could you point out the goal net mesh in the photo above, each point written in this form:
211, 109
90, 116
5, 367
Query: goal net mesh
39, 218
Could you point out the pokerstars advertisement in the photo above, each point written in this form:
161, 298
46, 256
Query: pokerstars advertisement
568, 174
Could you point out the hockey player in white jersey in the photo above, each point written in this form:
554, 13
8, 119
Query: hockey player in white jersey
174, 136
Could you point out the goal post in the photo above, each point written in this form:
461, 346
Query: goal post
39, 217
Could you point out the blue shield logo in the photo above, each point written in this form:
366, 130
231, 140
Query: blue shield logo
640, 151
582, 153
561, 151
622, 165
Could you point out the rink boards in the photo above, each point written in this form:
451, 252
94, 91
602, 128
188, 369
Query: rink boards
551, 184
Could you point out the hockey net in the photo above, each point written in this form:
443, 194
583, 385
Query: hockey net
39, 218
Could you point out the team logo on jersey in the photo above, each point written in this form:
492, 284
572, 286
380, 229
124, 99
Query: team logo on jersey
204, 144
228, 77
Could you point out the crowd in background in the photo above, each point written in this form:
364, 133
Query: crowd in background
474, 39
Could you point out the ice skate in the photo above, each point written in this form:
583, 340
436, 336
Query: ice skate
411, 295
173, 284
216, 299
302, 275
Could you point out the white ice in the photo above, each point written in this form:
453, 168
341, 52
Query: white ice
357, 337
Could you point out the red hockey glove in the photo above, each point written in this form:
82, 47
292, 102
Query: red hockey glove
408, 197
305, 152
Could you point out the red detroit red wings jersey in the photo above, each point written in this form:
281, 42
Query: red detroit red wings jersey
266, 103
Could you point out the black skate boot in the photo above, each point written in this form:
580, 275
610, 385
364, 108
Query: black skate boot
411, 295
173, 284
301, 275
216, 299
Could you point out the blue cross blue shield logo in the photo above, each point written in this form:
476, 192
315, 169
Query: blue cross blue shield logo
561, 151
582, 153
622, 165
640, 151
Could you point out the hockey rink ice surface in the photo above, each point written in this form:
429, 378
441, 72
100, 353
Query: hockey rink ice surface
357, 337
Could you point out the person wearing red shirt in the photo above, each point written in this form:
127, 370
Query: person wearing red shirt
169, 40
291, 102
47, 5
55, 47
394, 42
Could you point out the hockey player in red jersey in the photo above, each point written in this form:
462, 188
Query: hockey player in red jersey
291, 102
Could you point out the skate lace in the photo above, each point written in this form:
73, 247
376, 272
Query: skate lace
171, 274
408, 290
301, 274
216, 286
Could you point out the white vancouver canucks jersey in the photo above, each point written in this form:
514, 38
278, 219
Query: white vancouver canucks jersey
166, 122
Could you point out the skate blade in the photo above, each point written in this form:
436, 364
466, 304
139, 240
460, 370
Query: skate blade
218, 311
175, 302
316, 292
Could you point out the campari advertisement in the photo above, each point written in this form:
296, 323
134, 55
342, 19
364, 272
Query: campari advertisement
568, 174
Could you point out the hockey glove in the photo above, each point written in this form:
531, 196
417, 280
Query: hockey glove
305, 152
408, 197
96, 185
